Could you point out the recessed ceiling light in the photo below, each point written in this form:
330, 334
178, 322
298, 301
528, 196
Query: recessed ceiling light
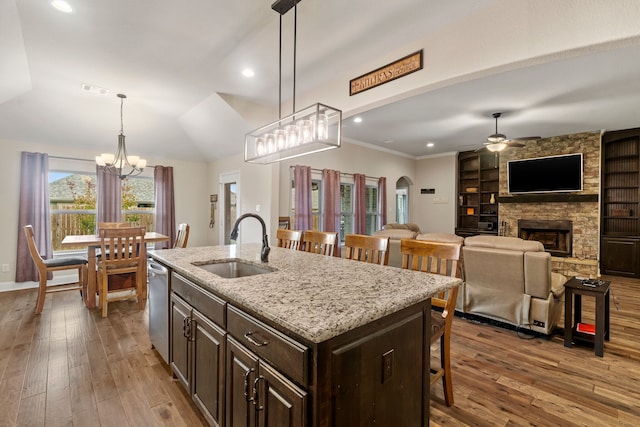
248, 72
357, 120
62, 6
430, 144
388, 141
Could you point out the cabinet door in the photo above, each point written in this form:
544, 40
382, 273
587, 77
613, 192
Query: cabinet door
280, 402
242, 366
620, 256
207, 382
378, 380
179, 345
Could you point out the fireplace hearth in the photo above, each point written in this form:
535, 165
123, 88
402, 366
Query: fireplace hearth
555, 235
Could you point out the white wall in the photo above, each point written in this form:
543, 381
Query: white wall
191, 195
436, 213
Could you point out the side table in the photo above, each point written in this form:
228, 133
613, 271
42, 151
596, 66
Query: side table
574, 289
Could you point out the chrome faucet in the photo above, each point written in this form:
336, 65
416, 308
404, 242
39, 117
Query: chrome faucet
264, 254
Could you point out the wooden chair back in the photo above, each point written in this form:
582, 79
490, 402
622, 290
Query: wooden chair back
102, 225
437, 258
45, 267
183, 236
126, 254
319, 242
372, 249
289, 239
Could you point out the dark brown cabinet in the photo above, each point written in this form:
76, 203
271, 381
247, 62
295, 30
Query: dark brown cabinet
620, 203
478, 187
197, 351
243, 372
257, 395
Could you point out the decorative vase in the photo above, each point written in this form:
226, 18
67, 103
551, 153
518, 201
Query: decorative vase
493, 198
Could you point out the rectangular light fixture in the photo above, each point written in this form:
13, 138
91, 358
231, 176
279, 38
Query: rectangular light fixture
310, 130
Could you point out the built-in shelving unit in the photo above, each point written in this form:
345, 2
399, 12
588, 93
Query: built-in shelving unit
620, 203
478, 186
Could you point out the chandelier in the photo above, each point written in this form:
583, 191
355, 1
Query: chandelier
310, 130
121, 164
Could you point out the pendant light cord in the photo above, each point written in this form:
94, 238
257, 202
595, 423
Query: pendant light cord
295, 31
121, 120
280, 72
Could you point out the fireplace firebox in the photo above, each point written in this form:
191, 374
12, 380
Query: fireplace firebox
555, 235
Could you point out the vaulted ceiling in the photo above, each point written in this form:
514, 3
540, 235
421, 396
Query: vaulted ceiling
180, 63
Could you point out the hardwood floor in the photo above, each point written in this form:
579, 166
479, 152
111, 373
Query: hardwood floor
69, 367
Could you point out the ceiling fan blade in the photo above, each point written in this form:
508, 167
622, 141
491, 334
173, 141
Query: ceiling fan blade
525, 138
512, 143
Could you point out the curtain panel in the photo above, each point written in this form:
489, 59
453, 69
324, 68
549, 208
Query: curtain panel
360, 204
302, 188
108, 197
33, 209
165, 205
331, 200
382, 202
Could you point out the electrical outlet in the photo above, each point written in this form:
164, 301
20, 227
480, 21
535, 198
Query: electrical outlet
5, 268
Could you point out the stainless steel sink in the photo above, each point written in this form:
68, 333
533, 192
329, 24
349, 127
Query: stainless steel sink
234, 268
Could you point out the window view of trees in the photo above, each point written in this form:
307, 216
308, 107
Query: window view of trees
72, 198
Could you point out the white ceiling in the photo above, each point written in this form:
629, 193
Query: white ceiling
179, 64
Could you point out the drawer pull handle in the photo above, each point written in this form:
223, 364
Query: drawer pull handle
246, 384
258, 342
256, 391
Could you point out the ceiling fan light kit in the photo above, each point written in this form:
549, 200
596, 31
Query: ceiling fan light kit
310, 130
498, 141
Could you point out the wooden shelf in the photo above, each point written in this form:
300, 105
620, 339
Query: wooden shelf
548, 198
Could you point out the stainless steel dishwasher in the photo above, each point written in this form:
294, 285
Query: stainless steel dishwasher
158, 277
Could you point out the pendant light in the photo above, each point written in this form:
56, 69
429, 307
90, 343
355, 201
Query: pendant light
121, 164
310, 130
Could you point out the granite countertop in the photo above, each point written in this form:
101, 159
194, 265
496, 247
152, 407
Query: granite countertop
314, 296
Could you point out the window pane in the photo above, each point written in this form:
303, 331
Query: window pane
346, 210
371, 225
138, 202
316, 205
72, 199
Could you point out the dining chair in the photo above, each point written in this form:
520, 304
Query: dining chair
437, 258
46, 266
127, 255
372, 249
102, 225
319, 242
182, 237
289, 239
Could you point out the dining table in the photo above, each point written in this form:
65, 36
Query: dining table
91, 242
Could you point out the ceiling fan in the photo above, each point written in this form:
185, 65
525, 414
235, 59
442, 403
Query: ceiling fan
498, 141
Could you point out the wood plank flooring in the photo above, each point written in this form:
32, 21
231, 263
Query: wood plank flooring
69, 367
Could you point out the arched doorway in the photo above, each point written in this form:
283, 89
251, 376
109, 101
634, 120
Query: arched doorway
402, 199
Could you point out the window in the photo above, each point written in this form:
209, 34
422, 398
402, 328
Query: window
371, 203
72, 198
346, 210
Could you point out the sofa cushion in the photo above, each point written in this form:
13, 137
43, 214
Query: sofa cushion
440, 237
408, 226
507, 243
396, 234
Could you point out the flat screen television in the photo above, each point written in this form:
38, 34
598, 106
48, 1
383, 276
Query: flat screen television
545, 174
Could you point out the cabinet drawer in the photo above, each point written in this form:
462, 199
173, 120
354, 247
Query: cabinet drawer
287, 355
205, 302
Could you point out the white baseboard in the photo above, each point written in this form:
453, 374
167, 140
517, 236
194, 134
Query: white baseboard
13, 286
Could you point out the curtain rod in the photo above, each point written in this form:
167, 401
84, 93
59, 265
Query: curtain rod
341, 173
84, 160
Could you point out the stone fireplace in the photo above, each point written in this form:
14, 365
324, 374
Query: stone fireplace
555, 235
579, 255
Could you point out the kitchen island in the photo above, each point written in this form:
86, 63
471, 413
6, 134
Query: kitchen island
315, 341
